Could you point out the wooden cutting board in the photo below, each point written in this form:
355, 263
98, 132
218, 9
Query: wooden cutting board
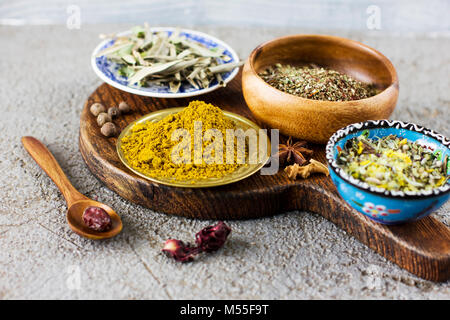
422, 247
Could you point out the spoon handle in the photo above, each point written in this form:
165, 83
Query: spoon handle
48, 163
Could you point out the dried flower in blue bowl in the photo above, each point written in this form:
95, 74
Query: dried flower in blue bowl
390, 171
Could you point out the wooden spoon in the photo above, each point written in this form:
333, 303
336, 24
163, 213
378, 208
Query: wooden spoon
76, 202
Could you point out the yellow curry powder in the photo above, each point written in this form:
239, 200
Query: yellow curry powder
148, 148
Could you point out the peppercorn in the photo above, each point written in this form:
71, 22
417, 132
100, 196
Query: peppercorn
124, 107
103, 118
109, 129
97, 108
113, 112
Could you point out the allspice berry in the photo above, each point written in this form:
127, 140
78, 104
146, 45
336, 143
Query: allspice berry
124, 107
103, 118
109, 129
97, 108
113, 112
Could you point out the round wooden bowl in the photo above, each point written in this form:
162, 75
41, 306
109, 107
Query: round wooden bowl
315, 120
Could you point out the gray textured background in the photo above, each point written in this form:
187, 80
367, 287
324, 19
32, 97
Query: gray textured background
399, 16
45, 79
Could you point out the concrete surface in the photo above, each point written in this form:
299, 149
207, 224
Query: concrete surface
398, 16
45, 79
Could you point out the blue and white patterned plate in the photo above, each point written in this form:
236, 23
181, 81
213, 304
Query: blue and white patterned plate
108, 70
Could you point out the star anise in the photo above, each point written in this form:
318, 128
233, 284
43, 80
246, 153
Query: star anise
294, 153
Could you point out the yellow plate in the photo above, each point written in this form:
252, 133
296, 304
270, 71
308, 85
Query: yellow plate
239, 174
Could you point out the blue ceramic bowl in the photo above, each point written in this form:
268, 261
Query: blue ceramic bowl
381, 205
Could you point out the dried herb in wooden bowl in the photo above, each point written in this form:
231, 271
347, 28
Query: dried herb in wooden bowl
312, 82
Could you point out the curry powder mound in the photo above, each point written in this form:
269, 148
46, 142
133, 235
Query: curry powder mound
148, 148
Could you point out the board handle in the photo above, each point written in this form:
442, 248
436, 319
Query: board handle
48, 163
421, 247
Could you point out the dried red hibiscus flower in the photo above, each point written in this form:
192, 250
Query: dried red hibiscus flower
209, 239
179, 250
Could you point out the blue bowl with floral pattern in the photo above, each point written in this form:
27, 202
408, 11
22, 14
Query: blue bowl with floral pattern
381, 205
